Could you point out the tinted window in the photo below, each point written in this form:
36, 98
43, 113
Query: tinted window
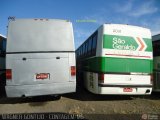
90, 44
83, 48
87, 45
94, 44
77, 53
80, 51
156, 48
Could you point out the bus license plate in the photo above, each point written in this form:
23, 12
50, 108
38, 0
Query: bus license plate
127, 89
42, 76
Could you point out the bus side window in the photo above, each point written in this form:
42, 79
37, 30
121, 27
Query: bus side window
90, 46
80, 52
86, 47
94, 45
156, 50
83, 50
77, 53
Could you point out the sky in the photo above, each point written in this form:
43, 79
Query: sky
85, 15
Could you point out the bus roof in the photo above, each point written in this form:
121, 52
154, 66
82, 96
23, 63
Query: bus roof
125, 25
41, 19
2, 36
156, 37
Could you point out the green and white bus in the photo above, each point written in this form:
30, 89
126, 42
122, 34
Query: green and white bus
117, 59
156, 63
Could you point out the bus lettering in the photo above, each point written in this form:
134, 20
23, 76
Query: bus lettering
119, 43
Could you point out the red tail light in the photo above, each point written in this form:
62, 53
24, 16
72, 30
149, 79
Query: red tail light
8, 74
101, 78
73, 70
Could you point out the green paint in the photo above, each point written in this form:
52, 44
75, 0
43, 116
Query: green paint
126, 65
124, 42
148, 43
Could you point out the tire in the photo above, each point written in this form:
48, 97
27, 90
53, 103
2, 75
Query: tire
57, 97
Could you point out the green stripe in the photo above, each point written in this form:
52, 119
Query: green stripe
126, 65
124, 42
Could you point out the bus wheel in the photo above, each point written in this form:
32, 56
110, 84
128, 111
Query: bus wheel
57, 97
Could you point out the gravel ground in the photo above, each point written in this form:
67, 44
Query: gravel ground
85, 103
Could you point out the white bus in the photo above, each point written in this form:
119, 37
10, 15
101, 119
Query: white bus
40, 58
116, 59
156, 63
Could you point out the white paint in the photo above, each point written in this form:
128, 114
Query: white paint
127, 30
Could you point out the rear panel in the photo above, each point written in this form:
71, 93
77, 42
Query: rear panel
40, 35
40, 53
127, 51
31, 70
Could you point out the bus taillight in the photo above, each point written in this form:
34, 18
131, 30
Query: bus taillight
73, 70
8, 74
101, 78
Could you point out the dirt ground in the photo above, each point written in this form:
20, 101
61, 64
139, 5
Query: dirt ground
85, 103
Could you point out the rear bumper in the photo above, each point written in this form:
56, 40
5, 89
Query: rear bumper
107, 85
40, 89
118, 89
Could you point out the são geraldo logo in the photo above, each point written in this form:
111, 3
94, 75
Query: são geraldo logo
121, 44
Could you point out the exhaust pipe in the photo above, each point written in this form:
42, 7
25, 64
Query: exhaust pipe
147, 91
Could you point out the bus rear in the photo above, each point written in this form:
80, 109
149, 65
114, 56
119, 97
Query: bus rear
40, 58
126, 60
